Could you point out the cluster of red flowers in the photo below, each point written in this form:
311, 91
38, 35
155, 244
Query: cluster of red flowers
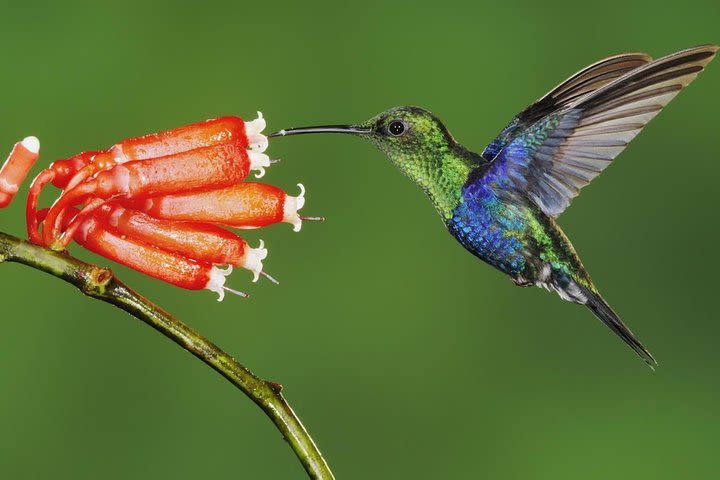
158, 203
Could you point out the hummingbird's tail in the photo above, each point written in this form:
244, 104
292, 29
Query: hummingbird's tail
606, 314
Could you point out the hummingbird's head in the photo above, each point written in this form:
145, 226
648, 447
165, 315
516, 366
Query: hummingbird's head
407, 135
411, 137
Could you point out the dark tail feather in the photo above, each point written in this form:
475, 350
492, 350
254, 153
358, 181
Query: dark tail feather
603, 311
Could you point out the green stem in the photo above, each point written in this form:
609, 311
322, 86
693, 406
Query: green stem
101, 284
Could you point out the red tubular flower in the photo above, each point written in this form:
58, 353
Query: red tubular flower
201, 241
242, 205
154, 202
17, 166
219, 165
155, 262
69, 173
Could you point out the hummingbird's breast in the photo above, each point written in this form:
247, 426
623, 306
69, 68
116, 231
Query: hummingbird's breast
491, 228
508, 231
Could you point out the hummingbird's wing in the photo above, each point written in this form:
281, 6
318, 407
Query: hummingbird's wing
586, 80
551, 160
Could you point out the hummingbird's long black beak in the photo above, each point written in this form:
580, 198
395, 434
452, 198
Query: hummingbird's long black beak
347, 129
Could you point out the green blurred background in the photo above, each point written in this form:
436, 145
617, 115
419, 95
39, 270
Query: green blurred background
404, 355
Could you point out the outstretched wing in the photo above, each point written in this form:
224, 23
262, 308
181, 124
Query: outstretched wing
560, 153
586, 80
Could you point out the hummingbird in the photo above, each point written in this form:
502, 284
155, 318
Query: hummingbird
502, 204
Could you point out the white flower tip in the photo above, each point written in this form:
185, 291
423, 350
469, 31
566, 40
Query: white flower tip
31, 144
253, 260
258, 162
227, 270
261, 246
216, 282
291, 207
257, 125
256, 140
301, 197
258, 143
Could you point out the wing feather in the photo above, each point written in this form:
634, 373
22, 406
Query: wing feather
564, 150
581, 83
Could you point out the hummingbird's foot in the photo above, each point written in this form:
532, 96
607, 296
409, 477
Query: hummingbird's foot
521, 282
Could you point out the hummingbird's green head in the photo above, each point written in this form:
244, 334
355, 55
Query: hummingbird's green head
418, 143
411, 137
408, 136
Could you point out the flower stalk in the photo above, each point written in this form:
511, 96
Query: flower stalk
101, 284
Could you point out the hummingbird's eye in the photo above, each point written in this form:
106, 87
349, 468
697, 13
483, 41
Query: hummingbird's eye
396, 127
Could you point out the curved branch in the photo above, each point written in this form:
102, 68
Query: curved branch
101, 284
